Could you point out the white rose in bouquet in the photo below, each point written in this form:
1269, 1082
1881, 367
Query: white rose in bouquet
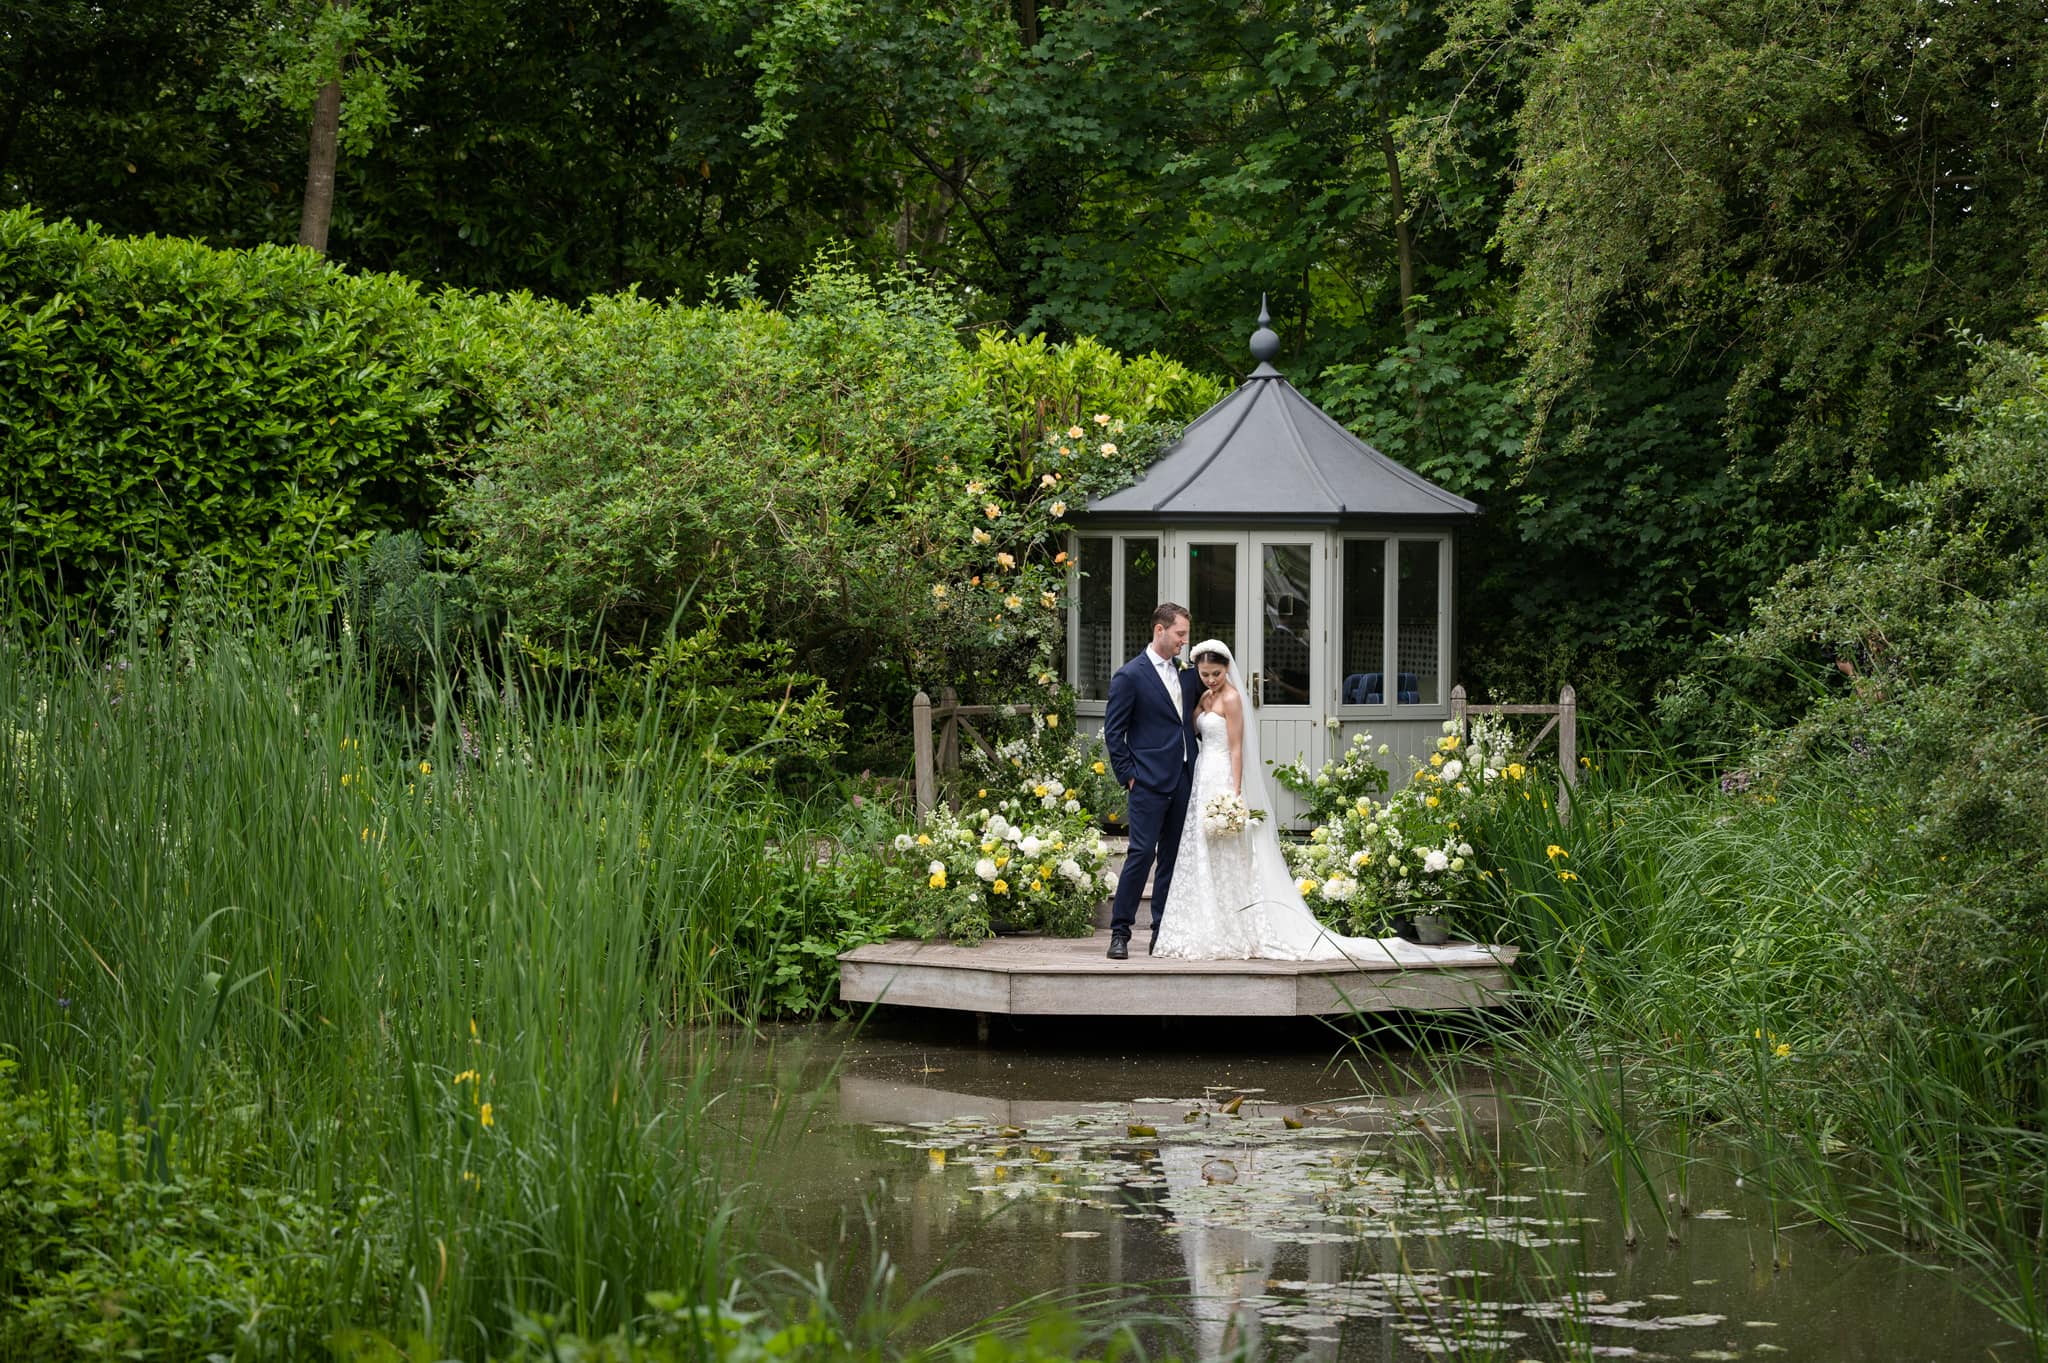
1226, 815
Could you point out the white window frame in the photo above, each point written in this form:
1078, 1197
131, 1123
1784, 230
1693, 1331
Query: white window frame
1121, 649
1391, 541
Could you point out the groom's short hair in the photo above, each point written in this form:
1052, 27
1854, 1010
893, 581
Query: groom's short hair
1165, 613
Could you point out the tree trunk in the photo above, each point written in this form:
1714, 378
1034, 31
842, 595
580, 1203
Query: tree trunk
1404, 239
316, 211
1404, 253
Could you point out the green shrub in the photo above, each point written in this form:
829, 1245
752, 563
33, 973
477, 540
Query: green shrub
825, 493
1925, 650
413, 618
1036, 389
161, 402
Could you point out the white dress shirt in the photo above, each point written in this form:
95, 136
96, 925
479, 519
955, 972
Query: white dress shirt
1169, 677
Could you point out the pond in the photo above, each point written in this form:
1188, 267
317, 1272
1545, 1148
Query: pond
1236, 1189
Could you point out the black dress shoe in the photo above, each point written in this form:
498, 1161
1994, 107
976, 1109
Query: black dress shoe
1119, 948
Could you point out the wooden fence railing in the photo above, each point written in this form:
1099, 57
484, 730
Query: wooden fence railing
1564, 718
953, 719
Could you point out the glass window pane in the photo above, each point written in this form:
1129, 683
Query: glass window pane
1141, 593
1365, 623
1096, 649
1212, 593
1286, 654
1417, 636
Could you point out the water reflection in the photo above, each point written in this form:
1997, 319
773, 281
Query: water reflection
1304, 1218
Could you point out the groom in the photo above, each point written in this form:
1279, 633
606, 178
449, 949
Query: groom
1149, 728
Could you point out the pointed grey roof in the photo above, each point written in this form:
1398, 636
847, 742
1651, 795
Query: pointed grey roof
1265, 452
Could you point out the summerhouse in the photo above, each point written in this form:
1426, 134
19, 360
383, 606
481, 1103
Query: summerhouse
1326, 566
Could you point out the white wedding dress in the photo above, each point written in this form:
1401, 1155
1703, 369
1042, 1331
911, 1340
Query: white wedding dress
1234, 899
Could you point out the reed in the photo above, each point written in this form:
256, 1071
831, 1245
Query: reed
416, 969
1712, 980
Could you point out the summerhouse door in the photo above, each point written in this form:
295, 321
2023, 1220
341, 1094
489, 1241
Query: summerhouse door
1283, 654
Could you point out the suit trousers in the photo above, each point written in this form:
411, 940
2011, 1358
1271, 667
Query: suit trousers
1155, 818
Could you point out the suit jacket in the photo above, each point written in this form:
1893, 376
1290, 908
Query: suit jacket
1147, 741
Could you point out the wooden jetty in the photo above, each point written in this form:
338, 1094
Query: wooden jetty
1072, 977
1034, 976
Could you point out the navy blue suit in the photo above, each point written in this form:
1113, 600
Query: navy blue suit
1153, 746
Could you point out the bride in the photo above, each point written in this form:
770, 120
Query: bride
1233, 897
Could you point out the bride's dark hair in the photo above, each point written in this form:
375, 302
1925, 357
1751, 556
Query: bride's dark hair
1212, 656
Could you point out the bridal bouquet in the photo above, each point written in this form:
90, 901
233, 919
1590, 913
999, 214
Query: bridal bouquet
1226, 815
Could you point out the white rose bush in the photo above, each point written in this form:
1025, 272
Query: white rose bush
1006, 863
1024, 852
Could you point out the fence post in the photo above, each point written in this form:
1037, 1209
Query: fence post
1458, 714
921, 748
949, 733
1567, 748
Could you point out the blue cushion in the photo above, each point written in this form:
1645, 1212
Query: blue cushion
1362, 688
1408, 690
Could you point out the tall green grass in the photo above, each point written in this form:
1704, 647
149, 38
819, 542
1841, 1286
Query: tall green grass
422, 972
1722, 974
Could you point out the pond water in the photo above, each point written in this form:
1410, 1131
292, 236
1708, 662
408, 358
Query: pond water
1334, 1210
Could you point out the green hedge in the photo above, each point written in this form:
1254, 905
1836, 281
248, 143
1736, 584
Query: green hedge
161, 401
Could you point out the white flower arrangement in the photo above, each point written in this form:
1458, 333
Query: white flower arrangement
1368, 859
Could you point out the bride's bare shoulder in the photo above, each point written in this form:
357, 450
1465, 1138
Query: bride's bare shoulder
1229, 703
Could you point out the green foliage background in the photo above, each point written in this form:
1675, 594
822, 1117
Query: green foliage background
1667, 290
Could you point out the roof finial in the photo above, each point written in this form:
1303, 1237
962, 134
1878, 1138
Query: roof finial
1265, 344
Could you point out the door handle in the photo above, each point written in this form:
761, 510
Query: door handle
1258, 691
